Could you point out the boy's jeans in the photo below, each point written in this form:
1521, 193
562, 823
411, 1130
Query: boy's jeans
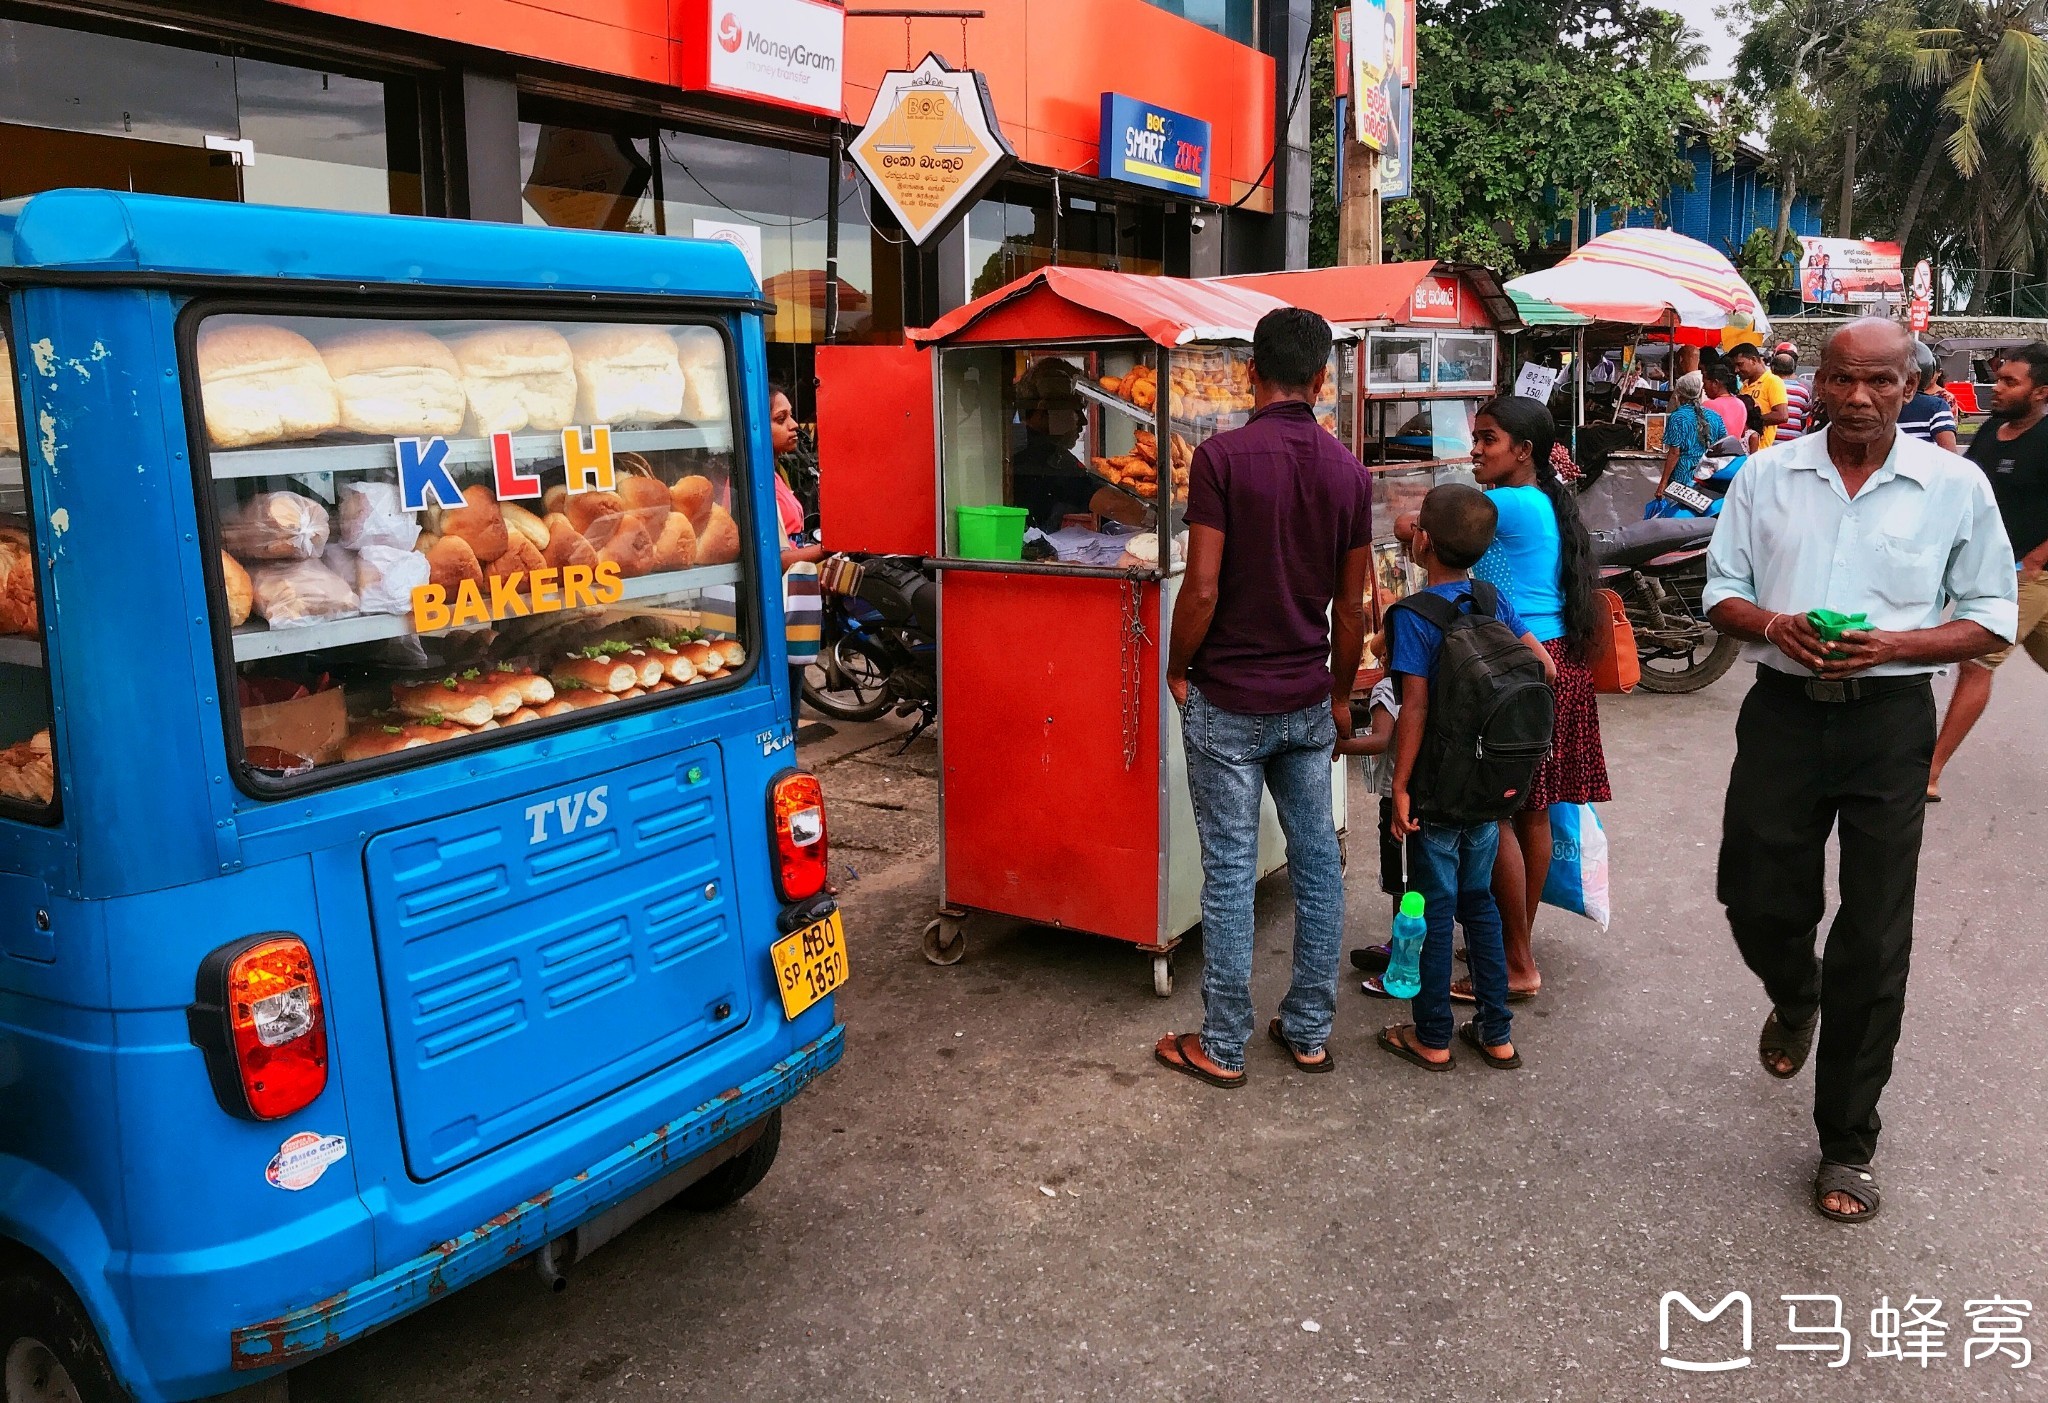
1453, 869
1231, 757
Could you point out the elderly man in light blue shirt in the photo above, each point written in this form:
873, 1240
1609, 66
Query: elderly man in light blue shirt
1860, 519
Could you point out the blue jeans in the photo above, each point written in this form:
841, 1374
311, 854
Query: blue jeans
1231, 758
1453, 869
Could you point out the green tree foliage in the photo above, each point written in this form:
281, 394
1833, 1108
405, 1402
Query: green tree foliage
1527, 110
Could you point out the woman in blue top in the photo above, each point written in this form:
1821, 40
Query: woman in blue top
1689, 431
1541, 550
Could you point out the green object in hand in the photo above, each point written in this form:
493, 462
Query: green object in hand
1831, 625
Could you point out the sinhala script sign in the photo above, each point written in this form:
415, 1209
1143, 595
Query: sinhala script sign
784, 51
931, 145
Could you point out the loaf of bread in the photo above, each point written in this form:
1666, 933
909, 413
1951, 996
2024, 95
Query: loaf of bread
677, 547
450, 561
519, 521
627, 375
631, 547
703, 659
26, 771
594, 513
522, 716
647, 499
567, 545
477, 521
260, 383
693, 496
394, 380
275, 526
370, 742
718, 540
652, 666
674, 666
295, 593
577, 701
605, 673
701, 353
448, 699
731, 650
533, 688
241, 594
517, 379
520, 555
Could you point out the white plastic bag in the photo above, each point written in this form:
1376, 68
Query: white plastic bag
371, 515
275, 526
386, 577
301, 592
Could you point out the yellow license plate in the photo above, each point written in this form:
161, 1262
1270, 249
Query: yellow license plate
810, 963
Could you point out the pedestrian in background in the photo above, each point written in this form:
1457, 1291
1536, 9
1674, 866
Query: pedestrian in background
1762, 387
1858, 519
1719, 383
1267, 634
2012, 449
1928, 416
803, 605
1689, 431
1546, 558
1798, 394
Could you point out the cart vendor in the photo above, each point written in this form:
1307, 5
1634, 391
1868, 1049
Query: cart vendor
1047, 478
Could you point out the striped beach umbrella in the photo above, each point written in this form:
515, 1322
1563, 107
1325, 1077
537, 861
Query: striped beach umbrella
1652, 277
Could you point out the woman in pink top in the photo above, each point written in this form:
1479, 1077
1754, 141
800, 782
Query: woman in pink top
1722, 399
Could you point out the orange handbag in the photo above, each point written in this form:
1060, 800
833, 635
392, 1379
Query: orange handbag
1615, 666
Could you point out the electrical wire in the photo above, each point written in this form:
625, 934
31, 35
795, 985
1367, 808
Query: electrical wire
1294, 105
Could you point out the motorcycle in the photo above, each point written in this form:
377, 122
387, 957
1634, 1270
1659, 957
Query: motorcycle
1703, 496
878, 647
1659, 568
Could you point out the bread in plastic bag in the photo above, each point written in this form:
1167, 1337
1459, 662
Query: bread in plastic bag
275, 526
386, 576
371, 515
301, 592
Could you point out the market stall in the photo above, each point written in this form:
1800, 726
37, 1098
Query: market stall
1069, 406
1419, 351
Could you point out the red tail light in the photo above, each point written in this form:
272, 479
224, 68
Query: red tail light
796, 809
259, 1019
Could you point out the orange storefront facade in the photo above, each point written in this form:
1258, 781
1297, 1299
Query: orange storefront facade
608, 114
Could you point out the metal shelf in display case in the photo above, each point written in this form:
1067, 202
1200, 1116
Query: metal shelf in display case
379, 455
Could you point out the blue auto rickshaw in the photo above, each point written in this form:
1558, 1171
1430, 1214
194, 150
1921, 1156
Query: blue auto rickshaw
403, 870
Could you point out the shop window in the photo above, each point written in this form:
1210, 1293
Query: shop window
1235, 19
28, 785
81, 108
1011, 234
543, 521
575, 177
769, 197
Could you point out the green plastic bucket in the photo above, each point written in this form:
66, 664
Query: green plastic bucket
991, 533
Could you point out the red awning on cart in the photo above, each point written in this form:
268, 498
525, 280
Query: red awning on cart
1352, 296
1081, 304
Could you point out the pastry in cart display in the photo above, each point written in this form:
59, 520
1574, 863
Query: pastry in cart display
1138, 470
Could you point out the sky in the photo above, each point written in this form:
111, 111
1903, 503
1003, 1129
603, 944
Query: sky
1713, 33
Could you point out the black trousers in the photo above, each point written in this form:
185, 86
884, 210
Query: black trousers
1804, 768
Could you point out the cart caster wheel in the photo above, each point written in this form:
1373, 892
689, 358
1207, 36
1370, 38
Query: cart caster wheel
1162, 976
944, 941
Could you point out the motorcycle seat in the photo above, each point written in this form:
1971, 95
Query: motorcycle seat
1642, 541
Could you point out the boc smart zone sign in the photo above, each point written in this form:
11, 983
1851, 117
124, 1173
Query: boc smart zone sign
783, 51
1148, 145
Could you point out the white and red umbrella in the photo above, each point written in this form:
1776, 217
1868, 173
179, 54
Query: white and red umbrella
1651, 277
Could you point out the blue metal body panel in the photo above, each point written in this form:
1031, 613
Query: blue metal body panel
117, 1164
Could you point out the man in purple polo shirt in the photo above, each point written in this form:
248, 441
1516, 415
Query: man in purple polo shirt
1279, 545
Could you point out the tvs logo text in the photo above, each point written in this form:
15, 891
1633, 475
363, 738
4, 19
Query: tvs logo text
729, 35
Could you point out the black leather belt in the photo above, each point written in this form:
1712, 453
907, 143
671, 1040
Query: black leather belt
1846, 689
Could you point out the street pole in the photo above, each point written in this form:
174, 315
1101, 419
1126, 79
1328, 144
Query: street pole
1358, 218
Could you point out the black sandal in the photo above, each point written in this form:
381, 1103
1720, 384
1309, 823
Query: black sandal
1792, 1042
1397, 1045
1327, 1062
1856, 1181
1181, 1062
1371, 958
1469, 1035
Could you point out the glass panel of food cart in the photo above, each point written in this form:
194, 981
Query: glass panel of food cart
1465, 362
1418, 430
1397, 360
432, 531
28, 777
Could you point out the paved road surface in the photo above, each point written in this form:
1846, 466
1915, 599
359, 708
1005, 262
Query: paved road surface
1477, 1235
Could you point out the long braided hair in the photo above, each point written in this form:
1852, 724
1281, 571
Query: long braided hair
1528, 421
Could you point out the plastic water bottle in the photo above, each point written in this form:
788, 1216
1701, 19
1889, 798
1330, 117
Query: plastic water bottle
1403, 978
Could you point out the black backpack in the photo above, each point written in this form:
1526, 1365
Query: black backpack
1490, 715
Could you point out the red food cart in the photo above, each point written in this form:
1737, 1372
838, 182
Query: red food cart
1078, 395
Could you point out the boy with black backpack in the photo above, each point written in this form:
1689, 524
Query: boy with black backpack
1475, 722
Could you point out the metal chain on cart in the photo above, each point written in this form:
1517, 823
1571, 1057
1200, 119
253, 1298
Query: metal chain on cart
1134, 640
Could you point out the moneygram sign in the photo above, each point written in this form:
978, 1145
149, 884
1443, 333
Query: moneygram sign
788, 52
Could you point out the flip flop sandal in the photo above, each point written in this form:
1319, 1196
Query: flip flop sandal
1469, 1035
1327, 1062
1371, 958
1180, 1063
1466, 996
1375, 986
1398, 1045
1856, 1181
1794, 1043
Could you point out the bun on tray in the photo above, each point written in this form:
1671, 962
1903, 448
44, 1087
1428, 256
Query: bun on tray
479, 522
627, 375
718, 540
260, 383
394, 380
517, 378
241, 593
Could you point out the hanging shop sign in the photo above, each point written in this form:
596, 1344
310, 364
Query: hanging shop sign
788, 52
931, 145
1438, 299
1147, 145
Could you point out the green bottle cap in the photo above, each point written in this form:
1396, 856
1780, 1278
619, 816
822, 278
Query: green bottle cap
1412, 903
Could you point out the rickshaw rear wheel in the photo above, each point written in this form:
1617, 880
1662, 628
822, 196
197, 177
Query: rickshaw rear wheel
737, 1177
49, 1352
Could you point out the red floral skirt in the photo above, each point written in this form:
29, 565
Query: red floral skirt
1576, 772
